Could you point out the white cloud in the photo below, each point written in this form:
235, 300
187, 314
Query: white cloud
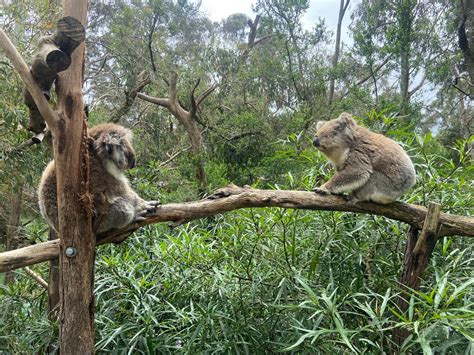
220, 9
326, 9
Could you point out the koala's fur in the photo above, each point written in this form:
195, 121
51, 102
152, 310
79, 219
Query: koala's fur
114, 201
369, 166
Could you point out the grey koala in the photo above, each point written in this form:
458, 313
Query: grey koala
369, 166
114, 201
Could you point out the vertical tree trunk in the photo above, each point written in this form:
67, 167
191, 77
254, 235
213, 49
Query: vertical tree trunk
77, 243
466, 37
195, 138
335, 59
13, 223
405, 18
417, 255
53, 283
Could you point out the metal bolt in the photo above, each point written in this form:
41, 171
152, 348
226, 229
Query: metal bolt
71, 252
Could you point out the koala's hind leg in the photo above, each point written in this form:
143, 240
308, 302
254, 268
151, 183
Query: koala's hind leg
121, 213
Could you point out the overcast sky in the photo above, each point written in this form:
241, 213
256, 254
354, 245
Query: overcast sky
327, 9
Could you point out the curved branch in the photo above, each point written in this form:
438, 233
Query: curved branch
232, 198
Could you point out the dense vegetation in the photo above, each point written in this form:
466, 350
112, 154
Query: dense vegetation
255, 280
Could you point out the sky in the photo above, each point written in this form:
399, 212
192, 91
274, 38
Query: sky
327, 9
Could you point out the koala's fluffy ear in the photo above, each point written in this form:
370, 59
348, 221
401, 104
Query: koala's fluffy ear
319, 124
347, 119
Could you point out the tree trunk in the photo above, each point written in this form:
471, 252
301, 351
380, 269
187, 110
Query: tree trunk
466, 37
335, 59
405, 18
53, 283
417, 255
77, 242
13, 223
195, 137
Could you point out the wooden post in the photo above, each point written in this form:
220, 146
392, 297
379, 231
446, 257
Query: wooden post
417, 255
77, 242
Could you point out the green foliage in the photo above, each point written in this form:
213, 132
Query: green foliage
256, 280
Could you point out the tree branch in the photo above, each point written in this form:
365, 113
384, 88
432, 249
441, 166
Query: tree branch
155, 100
232, 198
418, 86
143, 79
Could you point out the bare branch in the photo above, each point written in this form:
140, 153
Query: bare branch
232, 198
192, 99
36, 277
206, 93
418, 86
155, 100
143, 79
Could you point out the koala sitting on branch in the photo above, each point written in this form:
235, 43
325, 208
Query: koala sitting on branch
369, 166
114, 201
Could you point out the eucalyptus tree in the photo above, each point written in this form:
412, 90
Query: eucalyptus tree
401, 34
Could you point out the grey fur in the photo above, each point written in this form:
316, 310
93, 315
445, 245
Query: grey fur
369, 166
115, 203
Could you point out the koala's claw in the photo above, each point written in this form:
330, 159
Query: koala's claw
147, 209
322, 191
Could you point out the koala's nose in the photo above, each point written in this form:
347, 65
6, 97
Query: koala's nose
131, 161
316, 141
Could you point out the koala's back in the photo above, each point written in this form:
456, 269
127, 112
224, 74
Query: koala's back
393, 173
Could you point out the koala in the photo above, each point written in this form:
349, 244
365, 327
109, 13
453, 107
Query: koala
114, 201
369, 166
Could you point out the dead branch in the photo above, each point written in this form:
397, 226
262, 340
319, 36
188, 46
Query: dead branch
232, 198
187, 118
143, 79
36, 277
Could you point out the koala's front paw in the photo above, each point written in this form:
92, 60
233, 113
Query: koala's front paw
322, 190
147, 208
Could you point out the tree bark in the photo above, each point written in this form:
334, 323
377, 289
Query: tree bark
53, 283
335, 59
466, 37
418, 251
77, 242
232, 198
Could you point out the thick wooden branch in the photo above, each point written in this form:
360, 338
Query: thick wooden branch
233, 197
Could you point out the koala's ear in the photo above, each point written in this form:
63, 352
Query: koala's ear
347, 119
319, 125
